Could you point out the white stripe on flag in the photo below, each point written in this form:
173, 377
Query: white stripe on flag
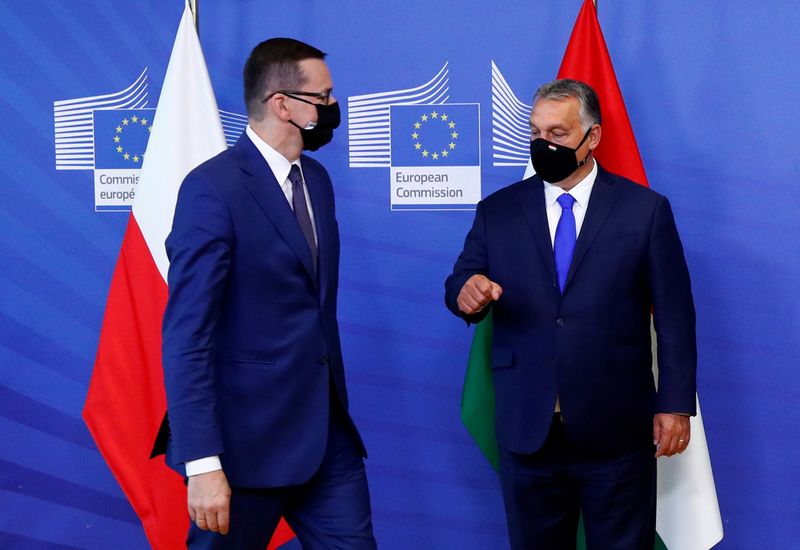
186, 132
687, 513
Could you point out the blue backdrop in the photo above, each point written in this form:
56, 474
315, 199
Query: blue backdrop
711, 90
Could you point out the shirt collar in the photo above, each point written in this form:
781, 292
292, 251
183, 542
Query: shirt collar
580, 192
279, 164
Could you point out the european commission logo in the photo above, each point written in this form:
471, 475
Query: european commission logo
108, 135
435, 156
120, 141
431, 147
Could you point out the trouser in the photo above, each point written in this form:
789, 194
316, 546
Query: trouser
330, 511
545, 492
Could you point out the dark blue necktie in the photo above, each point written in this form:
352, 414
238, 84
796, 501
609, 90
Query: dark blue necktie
301, 211
564, 242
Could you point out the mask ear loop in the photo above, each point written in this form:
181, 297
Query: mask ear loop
311, 124
589, 154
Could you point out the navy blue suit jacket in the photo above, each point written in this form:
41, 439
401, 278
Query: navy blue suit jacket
250, 335
590, 345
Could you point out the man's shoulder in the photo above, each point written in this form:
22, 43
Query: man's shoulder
224, 171
510, 194
626, 186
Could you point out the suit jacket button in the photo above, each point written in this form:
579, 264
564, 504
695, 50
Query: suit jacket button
324, 360
560, 322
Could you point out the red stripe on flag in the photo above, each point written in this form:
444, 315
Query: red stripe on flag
283, 534
587, 59
126, 399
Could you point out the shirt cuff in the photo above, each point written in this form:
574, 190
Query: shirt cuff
203, 465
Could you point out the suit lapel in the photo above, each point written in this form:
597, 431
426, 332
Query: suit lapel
604, 196
321, 223
533, 207
267, 193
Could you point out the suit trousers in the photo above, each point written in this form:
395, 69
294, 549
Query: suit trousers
330, 511
545, 492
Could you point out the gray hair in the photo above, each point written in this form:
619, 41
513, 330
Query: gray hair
566, 87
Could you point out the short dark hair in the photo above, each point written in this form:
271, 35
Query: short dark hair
273, 65
567, 87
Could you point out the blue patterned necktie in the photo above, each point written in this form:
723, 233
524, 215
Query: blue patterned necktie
301, 211
564, 242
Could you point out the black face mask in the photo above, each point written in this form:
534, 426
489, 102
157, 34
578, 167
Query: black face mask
317, 134
554, 162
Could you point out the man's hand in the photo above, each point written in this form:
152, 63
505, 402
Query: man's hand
670, 433
210, 501
476, 293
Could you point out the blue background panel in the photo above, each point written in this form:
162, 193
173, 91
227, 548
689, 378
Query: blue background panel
711, 91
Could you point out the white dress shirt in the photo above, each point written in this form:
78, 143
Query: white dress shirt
581, 194
280, 167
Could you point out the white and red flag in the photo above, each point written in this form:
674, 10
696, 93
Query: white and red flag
126, 400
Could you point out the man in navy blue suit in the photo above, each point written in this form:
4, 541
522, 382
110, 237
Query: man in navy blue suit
571, 262
257, 404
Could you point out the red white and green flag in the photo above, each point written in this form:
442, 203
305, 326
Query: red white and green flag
687, 516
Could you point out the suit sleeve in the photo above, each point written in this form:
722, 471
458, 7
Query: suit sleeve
674, 316
199, 249
473, 260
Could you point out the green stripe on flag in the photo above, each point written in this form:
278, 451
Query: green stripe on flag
477, 397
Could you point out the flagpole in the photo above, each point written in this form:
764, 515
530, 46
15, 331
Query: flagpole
194, 6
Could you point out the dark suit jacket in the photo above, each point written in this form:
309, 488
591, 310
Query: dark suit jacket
250, 336
591, 345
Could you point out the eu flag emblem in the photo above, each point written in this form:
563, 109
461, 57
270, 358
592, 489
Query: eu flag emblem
435, 156
120, 137
435, 135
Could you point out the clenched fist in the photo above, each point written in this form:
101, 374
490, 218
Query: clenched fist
476, 293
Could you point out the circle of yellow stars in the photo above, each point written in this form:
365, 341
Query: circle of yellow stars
432, 118
131, 122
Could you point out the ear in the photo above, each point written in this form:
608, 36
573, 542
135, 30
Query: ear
594, 136
277, 104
